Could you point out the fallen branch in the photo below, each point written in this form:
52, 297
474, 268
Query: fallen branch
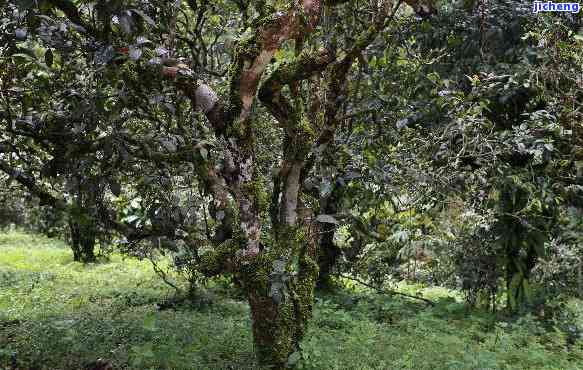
390, 292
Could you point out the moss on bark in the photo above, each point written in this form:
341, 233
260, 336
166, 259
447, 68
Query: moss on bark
279, 323
218, 260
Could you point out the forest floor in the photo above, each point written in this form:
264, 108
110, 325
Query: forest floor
59, 314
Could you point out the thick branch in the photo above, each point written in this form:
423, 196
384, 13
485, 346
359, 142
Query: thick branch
254, 54
305, 66
203, 97
46, 198
71, 12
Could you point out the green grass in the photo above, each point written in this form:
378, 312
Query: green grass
59, 314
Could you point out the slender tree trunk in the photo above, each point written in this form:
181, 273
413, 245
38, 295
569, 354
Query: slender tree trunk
328, 251
327, 257
513, 291
580, 278
518, 266
83, 225
88, 237
75, 239
82, 241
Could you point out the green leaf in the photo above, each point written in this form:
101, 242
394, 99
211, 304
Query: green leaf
115, 188
24, 56
293, 358
49, 58
203, 153
132, 218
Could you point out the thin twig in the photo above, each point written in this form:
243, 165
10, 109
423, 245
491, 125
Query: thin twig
390, 292
162, 274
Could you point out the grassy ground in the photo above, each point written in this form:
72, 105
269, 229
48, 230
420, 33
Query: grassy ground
58, 314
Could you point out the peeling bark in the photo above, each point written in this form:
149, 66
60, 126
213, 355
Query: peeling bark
281, 308
290, 196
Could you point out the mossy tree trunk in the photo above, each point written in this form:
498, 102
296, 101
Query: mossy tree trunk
281, 295
278, 273
329, 252
279, 282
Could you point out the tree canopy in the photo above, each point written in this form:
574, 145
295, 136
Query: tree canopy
286, 143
